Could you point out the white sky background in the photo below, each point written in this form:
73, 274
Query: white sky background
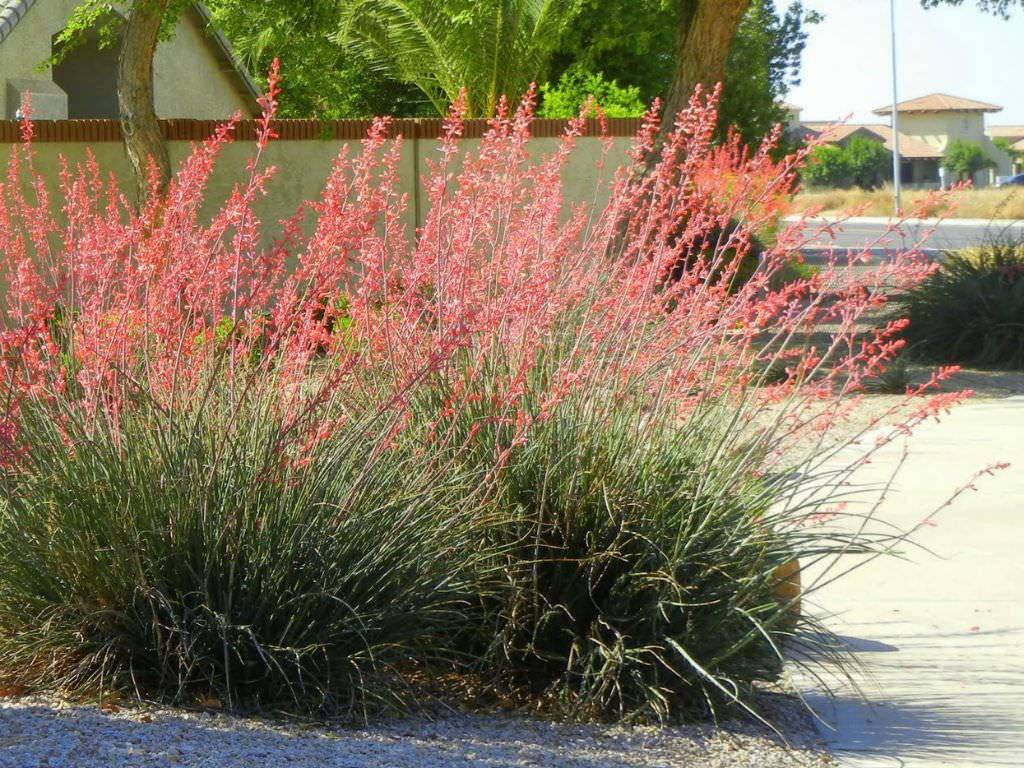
955, 50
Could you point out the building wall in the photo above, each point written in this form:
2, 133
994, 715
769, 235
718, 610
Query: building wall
88, 76
940, 128
303, 166
188, 80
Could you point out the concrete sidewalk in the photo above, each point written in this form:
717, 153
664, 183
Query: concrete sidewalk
940, 636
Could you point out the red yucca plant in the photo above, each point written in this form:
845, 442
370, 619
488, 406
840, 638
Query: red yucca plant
504, 381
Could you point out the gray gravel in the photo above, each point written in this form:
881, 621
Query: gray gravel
42, 732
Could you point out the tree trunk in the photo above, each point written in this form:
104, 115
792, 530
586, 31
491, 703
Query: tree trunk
703, 41
142, 137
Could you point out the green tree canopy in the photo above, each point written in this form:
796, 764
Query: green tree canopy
355, 58
1003, 143
620, 51
489, 48
576, 85
965, 158
998, 7
860, 162
632, 43
869, 161
828, 167
763, 65
321, 79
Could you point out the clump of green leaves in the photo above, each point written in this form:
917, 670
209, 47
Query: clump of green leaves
183, 557
642, 574
576, 86
971, 311
632, 42
893, 380
1004, 144
859, 162
486, 49
965, 158
321, 78
793, 270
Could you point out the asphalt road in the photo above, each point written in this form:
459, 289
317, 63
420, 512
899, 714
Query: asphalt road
881, 236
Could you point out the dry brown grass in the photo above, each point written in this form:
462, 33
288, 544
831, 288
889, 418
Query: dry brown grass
988, 203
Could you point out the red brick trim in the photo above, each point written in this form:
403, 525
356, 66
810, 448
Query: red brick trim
97, 131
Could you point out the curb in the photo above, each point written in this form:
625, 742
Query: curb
881, 220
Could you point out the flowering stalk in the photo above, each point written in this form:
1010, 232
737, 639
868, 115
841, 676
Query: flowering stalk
654, 294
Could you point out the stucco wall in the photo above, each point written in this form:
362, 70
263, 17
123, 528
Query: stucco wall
939, 129
28, 45
303, 167
189, 82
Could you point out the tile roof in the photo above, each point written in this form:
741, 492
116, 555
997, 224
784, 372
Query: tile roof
1013, 132
940, 102
834, 133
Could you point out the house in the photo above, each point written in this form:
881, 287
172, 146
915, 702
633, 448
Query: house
926, 125
1014, 136
196, 74
792, 112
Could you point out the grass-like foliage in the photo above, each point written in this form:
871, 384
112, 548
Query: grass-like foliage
971, 311
550, 448
181, 558
642, 571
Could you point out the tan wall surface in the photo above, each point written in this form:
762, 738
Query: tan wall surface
29, 44
303, 166
189, 81
939, 129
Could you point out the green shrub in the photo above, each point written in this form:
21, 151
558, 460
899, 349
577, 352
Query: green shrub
792, 271
508, 443
718, 248
618, 565
639, 557
860, 162
644, 581
971, 311
965, 158
576, 85
183, 560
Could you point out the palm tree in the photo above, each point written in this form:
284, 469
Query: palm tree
489, 47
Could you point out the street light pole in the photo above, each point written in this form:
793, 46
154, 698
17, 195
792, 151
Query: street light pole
896, 181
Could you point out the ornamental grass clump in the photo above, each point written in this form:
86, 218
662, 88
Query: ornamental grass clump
178, 557
532, 443
971, 311
642, 566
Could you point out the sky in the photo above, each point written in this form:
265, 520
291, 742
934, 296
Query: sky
955, 50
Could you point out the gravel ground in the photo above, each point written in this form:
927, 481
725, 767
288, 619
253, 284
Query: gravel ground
43, 732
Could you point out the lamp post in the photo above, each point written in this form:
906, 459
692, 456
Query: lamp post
896, 181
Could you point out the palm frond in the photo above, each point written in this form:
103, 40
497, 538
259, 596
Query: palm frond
489, 47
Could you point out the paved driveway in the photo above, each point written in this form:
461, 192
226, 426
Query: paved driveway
941, 636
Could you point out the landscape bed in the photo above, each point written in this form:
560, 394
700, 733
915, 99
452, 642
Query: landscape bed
555, 454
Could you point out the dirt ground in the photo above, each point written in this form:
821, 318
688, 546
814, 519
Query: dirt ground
986, 384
